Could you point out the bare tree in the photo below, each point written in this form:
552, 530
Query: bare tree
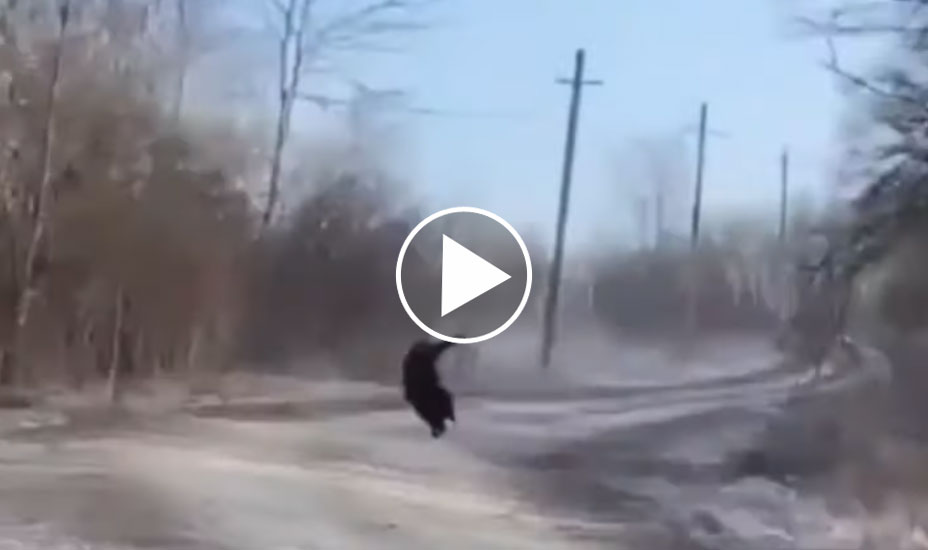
292, 49
663, 170
183, 49
126, 238
647, 172
92, 182
893, 198
116, 350
36, 249
305, 38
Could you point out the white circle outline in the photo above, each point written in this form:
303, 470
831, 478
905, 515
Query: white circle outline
464, 210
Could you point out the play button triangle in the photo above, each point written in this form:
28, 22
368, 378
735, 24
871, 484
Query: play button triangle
465, 275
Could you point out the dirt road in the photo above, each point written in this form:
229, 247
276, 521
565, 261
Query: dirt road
593, 460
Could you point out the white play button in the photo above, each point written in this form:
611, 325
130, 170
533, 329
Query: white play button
465, 275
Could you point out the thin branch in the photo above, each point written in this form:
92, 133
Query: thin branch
300, 38
365, 20
865, 84
834, 66
364, 14
873, 28
834, 28
324, 102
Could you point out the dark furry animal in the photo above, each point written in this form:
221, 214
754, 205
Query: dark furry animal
422, 385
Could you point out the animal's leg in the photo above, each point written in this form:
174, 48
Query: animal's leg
446, 404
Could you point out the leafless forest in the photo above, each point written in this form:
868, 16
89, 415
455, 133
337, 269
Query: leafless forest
144, 238
147, 235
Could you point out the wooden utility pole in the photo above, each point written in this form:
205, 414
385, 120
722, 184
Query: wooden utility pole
700, 168
554, 278
692, 312
786, 301
642, 216
660, 233
784, 193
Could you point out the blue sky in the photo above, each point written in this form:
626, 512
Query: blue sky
659, 60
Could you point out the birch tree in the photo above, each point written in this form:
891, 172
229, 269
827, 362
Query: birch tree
38, 198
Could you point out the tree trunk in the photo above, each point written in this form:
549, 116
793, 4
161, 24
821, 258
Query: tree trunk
9, 213
70, 358
138, 352
7, 367
659, 235
112, 386
193, 350
28, 284
183, 46
296, 15
273, 186
89, 351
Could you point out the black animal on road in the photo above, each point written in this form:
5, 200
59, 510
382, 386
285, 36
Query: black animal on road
422, 385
